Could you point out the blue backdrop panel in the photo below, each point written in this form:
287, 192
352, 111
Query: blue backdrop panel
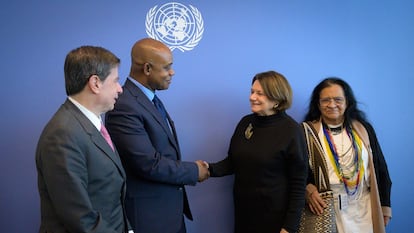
367, 43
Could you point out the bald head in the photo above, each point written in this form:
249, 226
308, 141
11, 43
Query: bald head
151, 64
144, 50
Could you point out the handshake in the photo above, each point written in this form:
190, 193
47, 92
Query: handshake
203, 172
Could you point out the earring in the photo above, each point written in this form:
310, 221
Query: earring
275, 106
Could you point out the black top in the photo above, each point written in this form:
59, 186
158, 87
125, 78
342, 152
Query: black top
270, 171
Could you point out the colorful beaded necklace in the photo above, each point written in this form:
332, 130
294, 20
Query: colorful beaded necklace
353, 178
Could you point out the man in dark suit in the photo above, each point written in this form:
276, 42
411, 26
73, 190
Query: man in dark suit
81, 180
147, 143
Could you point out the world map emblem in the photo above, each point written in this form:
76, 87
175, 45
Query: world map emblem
178, 26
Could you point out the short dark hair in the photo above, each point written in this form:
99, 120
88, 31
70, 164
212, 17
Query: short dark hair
351, 112
276, 88
85, 61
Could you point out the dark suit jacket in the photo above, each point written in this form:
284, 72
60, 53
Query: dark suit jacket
156, 198
81, 180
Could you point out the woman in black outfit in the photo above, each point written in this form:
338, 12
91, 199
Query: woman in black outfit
268, 157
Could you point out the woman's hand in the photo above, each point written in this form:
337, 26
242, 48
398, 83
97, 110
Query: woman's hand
315, 202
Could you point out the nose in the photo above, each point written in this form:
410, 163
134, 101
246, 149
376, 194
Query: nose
120, 90
252, 96
171, 72
331, 103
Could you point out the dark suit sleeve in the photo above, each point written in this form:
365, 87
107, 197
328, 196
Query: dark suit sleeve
63, 181
144, 147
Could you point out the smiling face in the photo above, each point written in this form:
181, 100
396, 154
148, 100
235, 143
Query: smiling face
259, 102
332, 104
152, 64
160, 70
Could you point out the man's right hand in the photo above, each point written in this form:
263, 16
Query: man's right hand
203, 172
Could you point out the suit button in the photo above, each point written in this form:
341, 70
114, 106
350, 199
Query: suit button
180, 188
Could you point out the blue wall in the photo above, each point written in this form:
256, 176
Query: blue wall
368, 43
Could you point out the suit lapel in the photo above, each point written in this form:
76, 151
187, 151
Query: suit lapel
143, 100
97, 138
95, 135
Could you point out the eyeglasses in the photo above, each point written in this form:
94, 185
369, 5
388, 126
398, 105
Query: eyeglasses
327, 101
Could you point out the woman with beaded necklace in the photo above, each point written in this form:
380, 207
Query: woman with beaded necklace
356, 170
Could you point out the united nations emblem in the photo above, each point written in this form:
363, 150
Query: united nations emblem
176, 25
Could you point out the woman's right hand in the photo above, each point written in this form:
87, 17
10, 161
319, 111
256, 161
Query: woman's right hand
315, 202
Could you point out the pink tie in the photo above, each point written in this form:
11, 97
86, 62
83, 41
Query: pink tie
105, 134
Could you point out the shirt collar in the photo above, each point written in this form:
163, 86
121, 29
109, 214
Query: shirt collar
146, 91
96, 120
